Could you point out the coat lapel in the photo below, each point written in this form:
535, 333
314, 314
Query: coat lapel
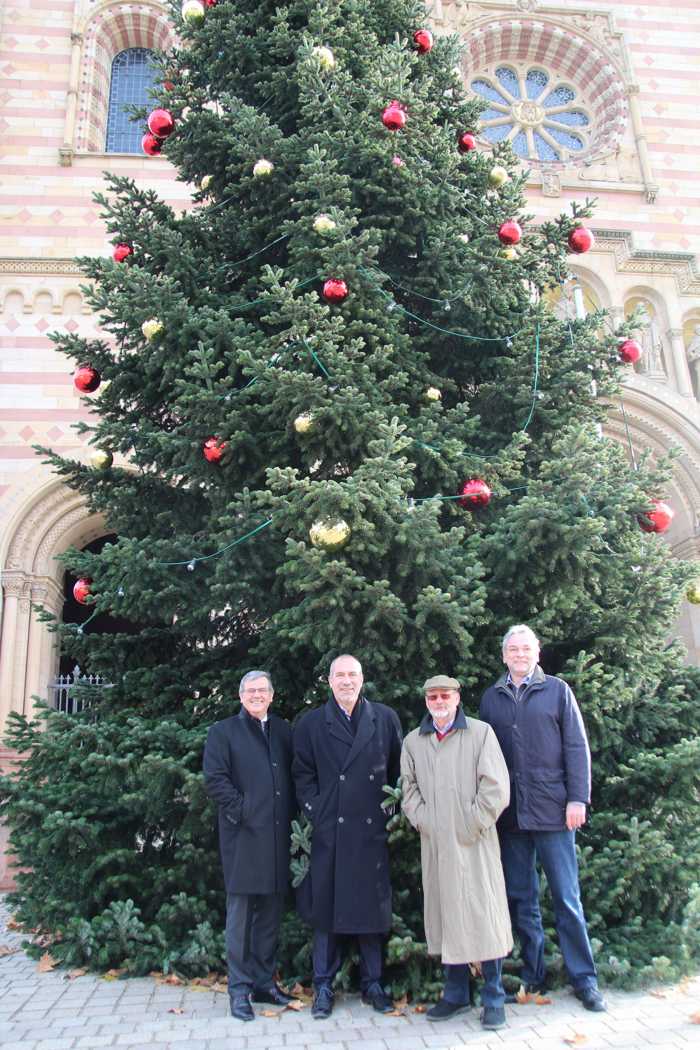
334, 726
365, 732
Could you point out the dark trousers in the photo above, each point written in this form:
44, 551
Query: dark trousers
456, 988
556, 852
328, 952
252, 930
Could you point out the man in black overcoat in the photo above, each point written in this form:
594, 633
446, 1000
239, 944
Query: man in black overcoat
344, 754
247, 771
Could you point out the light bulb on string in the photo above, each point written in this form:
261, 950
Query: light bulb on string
191, 565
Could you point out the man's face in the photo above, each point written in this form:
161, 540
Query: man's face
520, 654
346, 680
442, 704
256, 696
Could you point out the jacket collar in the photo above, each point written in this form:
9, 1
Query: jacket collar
427, 725
536, 678
364, 733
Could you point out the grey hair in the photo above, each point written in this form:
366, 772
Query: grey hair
254, 674
343, 656
518, 628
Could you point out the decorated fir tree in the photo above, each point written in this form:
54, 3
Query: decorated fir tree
345, 421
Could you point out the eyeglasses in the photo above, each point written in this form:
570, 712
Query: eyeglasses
440, 696
251, 692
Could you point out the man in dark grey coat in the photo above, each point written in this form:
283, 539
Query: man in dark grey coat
344, 754
247, 771
539, 727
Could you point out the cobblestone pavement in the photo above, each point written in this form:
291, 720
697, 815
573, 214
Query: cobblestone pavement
46, 1011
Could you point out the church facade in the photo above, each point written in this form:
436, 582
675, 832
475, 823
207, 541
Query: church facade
597, 100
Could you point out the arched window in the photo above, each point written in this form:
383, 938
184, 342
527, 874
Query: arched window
133, 76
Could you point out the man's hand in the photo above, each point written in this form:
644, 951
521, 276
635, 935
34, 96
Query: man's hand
575, 815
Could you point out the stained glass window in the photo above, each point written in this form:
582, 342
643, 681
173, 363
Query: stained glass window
133, 76
534, 112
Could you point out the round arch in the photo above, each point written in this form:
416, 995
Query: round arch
49, 521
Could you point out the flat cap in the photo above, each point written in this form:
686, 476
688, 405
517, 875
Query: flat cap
441, 681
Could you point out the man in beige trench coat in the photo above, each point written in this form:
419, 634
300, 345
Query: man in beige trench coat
455, 784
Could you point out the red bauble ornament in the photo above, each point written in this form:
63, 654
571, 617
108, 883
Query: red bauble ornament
160, 123
213, 449
658, 519
86, 379
82, 589
151, 144
122, 252
510, 232
334, 290
423, 39
630, 351
394, 116
466, 142
581, 240
210, 3
475, 493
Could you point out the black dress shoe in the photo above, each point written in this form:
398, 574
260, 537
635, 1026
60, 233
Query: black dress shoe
528, 989
444, 1010
273, 995
591, 999
322, 1005
375, 996
241, 1008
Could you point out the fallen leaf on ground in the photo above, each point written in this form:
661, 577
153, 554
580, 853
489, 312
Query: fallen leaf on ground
72, 974
296, 1004
421, 1008
695, 1018
542, 1000
172, 978
522, 997
12, 924
657, 993
7, 949
684, 985
395, 1013
219, 988
270, 1013
400, 1003
577, 1039
176, 1010
46, 963
113, 975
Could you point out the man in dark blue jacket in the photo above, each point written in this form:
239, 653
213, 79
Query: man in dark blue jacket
247, 771
539, 727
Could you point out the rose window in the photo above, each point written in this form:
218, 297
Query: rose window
541, 116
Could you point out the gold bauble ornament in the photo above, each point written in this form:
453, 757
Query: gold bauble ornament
323, 224
329, 535
262, 168
325, 57
101, 459
304, 422
509, 253
151, 328
498, 176
206, 183
193, 12
693, 593
433, 394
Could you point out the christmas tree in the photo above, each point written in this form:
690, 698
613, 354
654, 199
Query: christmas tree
347, 421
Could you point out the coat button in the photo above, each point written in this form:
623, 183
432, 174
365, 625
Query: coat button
278, 793
371, 776
275, 765
369, 820
341, 820
342, 776
308, 805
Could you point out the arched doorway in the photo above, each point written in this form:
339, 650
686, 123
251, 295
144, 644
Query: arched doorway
51, 519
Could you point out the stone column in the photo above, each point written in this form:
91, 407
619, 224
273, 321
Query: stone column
680, 362
42, 649
13, 585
